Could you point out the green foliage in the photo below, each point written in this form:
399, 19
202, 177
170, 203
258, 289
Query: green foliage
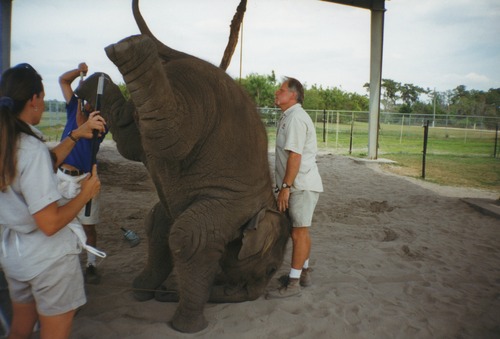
261, 88
124, 90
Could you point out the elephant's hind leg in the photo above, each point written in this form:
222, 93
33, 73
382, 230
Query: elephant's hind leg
159, 264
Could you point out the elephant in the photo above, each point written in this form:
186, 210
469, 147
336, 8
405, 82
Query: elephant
216, 229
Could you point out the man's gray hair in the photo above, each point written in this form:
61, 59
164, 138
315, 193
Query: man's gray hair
295, 86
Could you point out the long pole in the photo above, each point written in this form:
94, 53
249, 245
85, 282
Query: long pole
496, 143
241, 50
434, 110
5, 33
95, 135
324, 125
377, 34
337, 131
424, 152
352, 129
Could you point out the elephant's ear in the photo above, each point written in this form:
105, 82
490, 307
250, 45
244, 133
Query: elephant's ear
260, 233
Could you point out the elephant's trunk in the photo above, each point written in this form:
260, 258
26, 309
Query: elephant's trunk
152, 94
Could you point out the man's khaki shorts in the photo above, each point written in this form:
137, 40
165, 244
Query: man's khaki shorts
301, 207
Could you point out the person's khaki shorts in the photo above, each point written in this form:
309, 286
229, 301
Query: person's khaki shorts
93, 218
301, 207
57, 290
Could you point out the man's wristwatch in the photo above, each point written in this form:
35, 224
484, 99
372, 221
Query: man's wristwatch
285, 185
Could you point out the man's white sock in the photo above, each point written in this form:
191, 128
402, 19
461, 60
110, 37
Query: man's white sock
295, 274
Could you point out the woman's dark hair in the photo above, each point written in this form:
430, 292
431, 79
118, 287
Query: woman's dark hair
295, 86
18, 85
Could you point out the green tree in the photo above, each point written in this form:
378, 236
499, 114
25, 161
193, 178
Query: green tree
312, 98
410, 95
390, 93
261, 88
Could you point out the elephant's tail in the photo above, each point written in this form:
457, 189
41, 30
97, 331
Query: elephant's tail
167, 52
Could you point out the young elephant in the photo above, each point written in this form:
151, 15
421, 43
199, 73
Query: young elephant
216, 226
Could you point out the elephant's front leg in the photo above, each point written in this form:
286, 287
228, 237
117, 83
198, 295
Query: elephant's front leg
159, 264
197, 240
160, 119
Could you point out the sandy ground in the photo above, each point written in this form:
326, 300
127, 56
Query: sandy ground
393, 258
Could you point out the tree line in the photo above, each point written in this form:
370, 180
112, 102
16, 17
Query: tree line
395, 97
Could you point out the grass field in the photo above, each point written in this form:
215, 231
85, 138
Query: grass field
455, 156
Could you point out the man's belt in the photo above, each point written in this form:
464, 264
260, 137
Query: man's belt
73, 173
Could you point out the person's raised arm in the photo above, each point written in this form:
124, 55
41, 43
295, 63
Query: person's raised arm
67, 78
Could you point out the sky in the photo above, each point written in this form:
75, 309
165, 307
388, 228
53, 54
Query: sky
435, 44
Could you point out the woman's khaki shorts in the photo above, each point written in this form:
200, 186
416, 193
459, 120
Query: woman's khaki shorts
301, 207
57, 290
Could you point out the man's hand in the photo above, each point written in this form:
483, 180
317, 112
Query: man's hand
83, 68
94, 122
283, 197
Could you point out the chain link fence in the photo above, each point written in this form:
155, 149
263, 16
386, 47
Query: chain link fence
346, 132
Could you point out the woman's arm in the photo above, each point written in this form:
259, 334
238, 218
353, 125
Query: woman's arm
52, 218
62, 150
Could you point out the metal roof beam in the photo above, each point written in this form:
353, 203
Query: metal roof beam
374, 5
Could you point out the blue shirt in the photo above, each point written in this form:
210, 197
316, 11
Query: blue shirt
81, 154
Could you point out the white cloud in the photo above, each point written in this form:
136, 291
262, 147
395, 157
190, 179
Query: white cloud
477, 77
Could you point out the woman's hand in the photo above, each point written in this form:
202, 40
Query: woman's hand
91, 185
52, 217
94, 122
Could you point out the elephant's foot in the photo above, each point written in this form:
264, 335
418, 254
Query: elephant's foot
145, 285
234, 293
188, 323
163, 294
142, 295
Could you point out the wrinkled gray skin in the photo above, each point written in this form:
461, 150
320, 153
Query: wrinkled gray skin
216, 227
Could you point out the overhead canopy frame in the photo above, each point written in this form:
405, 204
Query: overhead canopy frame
377, 8
5, 28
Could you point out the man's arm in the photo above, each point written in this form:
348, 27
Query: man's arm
67, 78
292, 169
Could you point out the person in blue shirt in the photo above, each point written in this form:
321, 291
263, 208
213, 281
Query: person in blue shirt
78, 163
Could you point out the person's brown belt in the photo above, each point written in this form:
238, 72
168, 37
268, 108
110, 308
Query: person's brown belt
73, 173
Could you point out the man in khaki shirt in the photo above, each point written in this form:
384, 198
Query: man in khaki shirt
298, 181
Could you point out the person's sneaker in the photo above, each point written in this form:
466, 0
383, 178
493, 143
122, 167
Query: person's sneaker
305, 277
91, 275
289, 287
